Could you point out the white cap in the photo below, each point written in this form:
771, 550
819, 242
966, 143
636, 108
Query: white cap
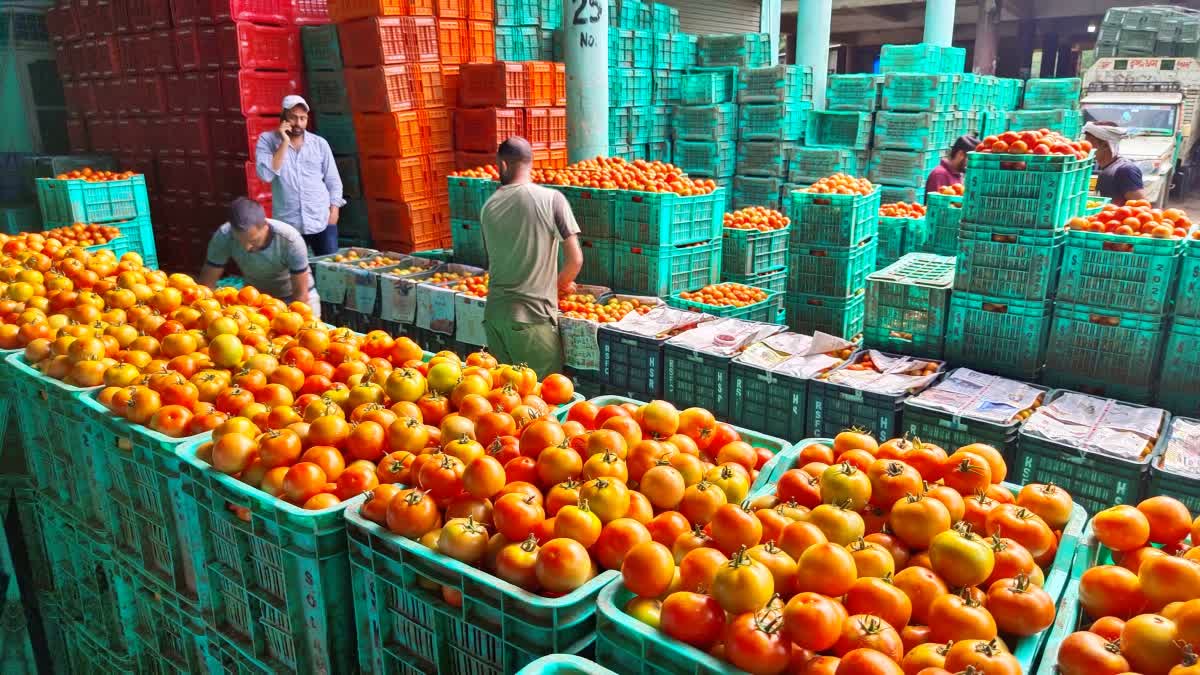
292, 100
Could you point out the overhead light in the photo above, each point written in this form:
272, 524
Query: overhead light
1091, 28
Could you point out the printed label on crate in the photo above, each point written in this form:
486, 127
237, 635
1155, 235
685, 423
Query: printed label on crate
398, 297
362, 291
1098, 425
468, 320
330, 279
435, 308
580, 348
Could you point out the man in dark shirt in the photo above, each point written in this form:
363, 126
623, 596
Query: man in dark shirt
1118, 178
950, 171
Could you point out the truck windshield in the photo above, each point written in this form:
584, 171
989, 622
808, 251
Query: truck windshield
1139, 116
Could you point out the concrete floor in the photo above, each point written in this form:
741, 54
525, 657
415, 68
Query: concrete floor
1191, 204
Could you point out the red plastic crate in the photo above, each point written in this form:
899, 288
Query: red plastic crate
481, 41
255, 92
380, 89
451, 9
145, 15
345, 10
279, 12
151, 94
190, 12
481, 10
467, 159
394, 178
268, 47
77, 134
541, 83
493, 84
198, 47
412, 225
128, 139
159, 54
256, 189
452, 41
96, 17
483, 129
106, 57
228, 179
438, 127
201, 170
428, 87
103, 133
311, 12
108, 95
147, 166
194, 93
399, 134
450, 76
172, 175
235, 136
158, 134
560, 84
64, 59
56, 22
546, 127
71, 96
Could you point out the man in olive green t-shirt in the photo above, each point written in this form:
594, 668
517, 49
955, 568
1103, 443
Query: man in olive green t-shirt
523, 226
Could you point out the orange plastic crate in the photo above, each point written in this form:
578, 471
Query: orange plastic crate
438, 127
344, 10
481, 41
441, 165
493, 84
428, 85
390, 134
470, 159
481, 10
450, 75
380, 89
541, 83
558, 158
483, 129
547, 127
376, 41
560, 84
452, 41
413, 224
422, 34
451, 9
542, 159
396, 178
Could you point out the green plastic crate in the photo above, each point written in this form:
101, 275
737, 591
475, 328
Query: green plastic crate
405, 627
667, 219
597, 261
890, 194
666, 18
137, 235
330, 88
1095, 481
942, 218
714, 159
840, 129
1038, 191
762, 158
764, 310
771, 402
999, 335
338, 130
1052, 93
1008, 262
631, 363
830, 271
897, 237
833, 408
808, 165
707, 86
565, 664
1182, 486
745, 252
642, 120
279, 583
843, 317
517, 12
683, 51
1116, 350
321, 48
730, 49
757, 191
919, 92
1177, 389
468, 195
630, 87
774, 84
467, 237
1069, 123
1135, 274
775, 281
664, 270
918, 131
833, 220
706, 122
951, 431
907, 303
80, 652
665, 86
65, 202
593, 209
773, 121
663, 49
620, 125
167, 637
659, 151
858, 93
903, 167
921, 58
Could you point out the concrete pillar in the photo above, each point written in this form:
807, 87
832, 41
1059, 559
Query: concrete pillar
812, 43
986, 43
768, 22
939, 22
1049, 54
585, 48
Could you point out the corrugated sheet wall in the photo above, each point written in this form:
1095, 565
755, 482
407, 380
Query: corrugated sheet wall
717, 16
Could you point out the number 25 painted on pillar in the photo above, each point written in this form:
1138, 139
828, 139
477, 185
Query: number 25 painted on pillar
581, 20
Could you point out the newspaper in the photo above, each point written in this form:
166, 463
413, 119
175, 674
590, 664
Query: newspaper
724, 337
896, 375
1182, 455
660, 322
795, 354
968, 393
1098, 425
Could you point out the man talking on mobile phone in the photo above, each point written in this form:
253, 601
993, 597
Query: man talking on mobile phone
306, 190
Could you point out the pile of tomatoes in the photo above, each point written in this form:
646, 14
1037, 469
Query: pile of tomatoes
1144, 607
613, 173
1137, 218
953, 190
726, 295
475, 286
542, 504
95, 175
755, 218
51, 241
842, 184
487, 172
1039, 142
864, 558
902, 210
375, 262
584, 306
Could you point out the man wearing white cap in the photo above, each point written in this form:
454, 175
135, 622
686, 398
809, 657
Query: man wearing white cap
306, 190
1118, 178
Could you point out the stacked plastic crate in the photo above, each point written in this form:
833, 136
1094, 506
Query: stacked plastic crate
1181, 368
907, 305
502, 99
1009, 251
774, 105
647, 56
1148, 32
1050, 103
525, 29
396, 94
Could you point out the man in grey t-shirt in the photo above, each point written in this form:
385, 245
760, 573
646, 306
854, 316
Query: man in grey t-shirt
271, 254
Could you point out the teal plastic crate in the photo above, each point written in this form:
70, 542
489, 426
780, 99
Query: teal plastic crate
597, 261
631, 363
15, 218
1164, 481
620, 47
890, 194
338, 130
405, 627
1069, 123
764, 311
774, 84
943, 216
137, 235
706, 122
991, 123
663, 50
839, 129
907, 303
167, 637
1008, 262
665, 86
1177, 389
641, 124
831, 271
1095, 481
833, 220
732, 49
467, 236
843, 317
321, 48
773, 121
1038, 191
65, 202
1095, 204
713, 159
468, 195
919, 92
757, 191
683, 51
667, 219
565, 664
630, 87
921, 58
80, 652
833, 408
774, 281
1104, 351
999, 335
1135, 274
762, 158
516, 12
1187, 299
707, 86
898, 237
279, 583
1052, 93
593, 209
858, 93
659, 151
917, 131
746, 252
619, 125
666, 18
808, 165
951, 431
903, 167
664, 270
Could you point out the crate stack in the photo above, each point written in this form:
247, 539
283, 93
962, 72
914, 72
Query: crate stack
1010, 247
1177, 389
1149, 32
647, 57
525, 29
1050, 103
907, 305
774, 105
396, 95
831, 251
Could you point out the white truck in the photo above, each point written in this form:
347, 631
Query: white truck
1156, 98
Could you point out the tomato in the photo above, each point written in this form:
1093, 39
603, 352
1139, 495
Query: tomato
585, 413
992, 456
1122, 527
648, 569
865, 631
962, 559
558, 463
754, 643
1168, 518
988, 657
813, 621
443, 478
1109, 590
1049, 501
1012, 559
892, 544
232, 453
872, 560
781, 565
734, 526
171, 420
563, 565
840, 525
1019, 607
303, 481
797, 537
515, 515
1108, 627
608, 498
579, 523
1166, 578
617, 538
879, 596
375, 507
821, 665
412, 513
950, 499
1187, 622
1084, 653
663, 485
742, 585
916, 520
967, 473
667, 527
867, 660
1148, 642
694, 618
698, 567
1132, 560
738, 452
733, 479
854, 439
463, 539
798, 486
922, 587
825, 568
646, 610
892, 480
959, 617
701, 501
